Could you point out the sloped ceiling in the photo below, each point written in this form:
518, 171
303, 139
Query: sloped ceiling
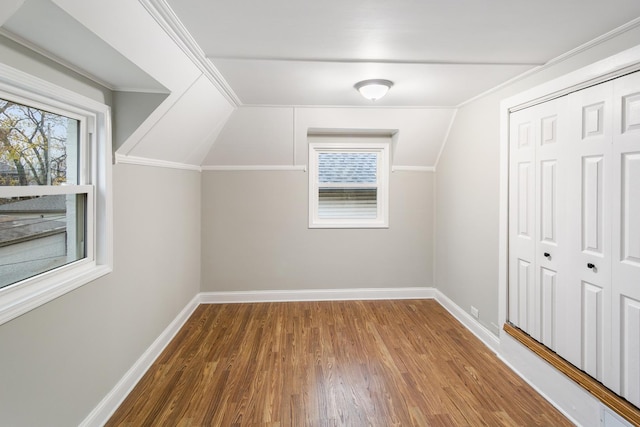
119, 45
39, 23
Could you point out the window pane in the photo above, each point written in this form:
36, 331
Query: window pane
38, 234
347, 168
359, 203
36, 147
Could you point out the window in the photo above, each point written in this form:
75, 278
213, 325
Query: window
348, 183
55, 218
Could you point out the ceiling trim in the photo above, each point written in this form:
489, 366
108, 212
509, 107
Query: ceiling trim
230, 168
586, 46
382, 107
143, 161
167, 19
365, 61
401, 168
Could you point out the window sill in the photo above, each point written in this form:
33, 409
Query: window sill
21, 298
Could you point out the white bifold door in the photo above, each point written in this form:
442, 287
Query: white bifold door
574, 229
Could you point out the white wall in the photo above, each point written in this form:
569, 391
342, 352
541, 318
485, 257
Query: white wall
255, 236
58, 362
278, 135
467, 190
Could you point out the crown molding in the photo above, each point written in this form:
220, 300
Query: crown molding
170, 23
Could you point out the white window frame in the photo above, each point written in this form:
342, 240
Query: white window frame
382, 150
95, 182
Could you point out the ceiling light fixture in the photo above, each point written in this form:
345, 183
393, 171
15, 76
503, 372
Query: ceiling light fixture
374, 89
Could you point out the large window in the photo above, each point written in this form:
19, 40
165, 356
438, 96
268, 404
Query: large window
42, 225
348, 184
55, 218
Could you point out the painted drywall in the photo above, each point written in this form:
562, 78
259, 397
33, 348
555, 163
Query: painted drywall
467, 189
420, 131
277, 136
59, 361
21, 58
255, 136
187, 130
255, 236
130, 109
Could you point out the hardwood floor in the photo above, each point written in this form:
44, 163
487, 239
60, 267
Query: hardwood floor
344, 363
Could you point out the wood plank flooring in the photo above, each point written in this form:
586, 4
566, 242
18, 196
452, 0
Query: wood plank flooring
343, 363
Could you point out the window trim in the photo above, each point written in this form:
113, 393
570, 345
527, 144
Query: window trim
95, 118
351, 145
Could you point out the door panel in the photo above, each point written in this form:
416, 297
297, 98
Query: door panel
626, 238
526, 295
588, 224
521, 225
592, 204
630, 346
548, 285
592, 338
630, 227
548, 201
536, 144
525, 199
550, 152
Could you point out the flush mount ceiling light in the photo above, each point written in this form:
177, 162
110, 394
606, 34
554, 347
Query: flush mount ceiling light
373, 89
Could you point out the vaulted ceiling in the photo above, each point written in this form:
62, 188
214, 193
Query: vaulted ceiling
437, 52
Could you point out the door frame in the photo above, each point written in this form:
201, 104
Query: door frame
625, 62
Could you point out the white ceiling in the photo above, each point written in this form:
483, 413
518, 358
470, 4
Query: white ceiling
438, 53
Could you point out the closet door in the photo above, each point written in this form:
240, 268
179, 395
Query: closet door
626, 238
535, 236
586, 339
521, 224
550, 247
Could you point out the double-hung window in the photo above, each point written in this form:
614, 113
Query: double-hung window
54, 192
348, 183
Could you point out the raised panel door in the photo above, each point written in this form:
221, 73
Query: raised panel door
586, 341
522, 222
535, 236
626, 238
550, 237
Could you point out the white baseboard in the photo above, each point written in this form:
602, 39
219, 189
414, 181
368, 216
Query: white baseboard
318, 295
483, 334
101, 413
561, 392
573, 401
